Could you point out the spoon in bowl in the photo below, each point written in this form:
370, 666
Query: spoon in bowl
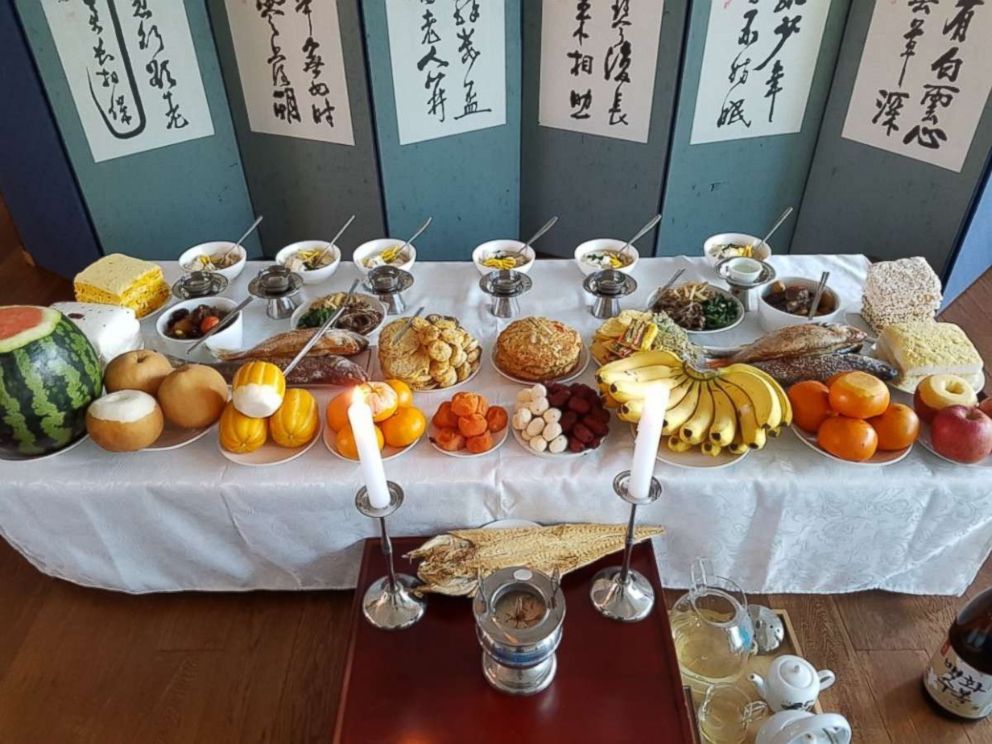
778, 223
239, 241
641, 233
543, 229
815, 304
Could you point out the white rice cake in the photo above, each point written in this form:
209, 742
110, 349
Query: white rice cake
112, 330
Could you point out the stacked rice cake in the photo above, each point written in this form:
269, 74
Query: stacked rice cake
899, 292
922, 348
123, 281
111, 330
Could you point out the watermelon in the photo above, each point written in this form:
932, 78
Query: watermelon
49, 374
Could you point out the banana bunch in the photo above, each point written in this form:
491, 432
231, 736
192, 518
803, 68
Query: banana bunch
733, 408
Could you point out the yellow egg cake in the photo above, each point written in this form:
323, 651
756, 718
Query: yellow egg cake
120, 280
538, 349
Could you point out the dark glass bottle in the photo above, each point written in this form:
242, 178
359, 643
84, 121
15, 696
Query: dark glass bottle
959, 678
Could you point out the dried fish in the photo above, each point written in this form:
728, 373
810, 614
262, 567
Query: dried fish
822, 366
451, 563
801, 340
288, 344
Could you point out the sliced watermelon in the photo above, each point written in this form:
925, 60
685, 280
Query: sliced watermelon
49, 374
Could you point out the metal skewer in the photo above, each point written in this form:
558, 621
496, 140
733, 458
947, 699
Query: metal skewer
543, 229
227, 320
320, 332
778, 223
239, 241
641, 233
815, 304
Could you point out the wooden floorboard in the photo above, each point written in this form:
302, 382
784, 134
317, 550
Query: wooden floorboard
82, 665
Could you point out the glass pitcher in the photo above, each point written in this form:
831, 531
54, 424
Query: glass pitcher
712, 629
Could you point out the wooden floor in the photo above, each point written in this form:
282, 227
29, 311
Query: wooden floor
82, 665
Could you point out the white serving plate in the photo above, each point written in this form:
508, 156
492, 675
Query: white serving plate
388, 453
303, 309
577, 370
269, 453
741, 310
566, 455
499, 439
482, 355
172, 437
35, 458
927, 442
878, 459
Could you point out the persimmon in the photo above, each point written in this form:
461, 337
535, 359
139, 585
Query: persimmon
472, 426
479, 444
859, 395
465, 404
810, 404
847, 438
444, 418
449, 440
497, 418
897, 428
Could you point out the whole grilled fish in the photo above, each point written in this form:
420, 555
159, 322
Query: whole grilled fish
822, 366
800, 341
288, 344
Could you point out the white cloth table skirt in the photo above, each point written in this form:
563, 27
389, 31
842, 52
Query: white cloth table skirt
786, 519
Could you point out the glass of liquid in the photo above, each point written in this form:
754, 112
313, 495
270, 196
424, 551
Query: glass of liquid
726, 714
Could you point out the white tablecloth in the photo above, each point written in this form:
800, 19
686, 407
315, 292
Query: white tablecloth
785, 519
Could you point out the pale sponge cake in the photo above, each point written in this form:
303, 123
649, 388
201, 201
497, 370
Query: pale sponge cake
900, 291
124, 281
922, 348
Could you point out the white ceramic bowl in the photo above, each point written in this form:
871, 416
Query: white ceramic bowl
761, 252
215, 248
772, 319
603, 244
231, 338
487, 249
366, 250
314, 276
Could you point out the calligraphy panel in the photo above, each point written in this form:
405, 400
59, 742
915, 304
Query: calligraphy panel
922, 83
292, 68
132, 72
758, 65
598, 65
448, 60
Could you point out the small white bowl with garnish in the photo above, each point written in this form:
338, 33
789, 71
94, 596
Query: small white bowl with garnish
604, 253
314, 260
730, 245
384, 252
502, 255
213, 256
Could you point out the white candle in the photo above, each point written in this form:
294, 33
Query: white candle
367, 444
648, 437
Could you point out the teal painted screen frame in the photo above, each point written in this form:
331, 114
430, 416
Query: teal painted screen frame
874, 201
739, 185
153, 204
599, 187
469, 183
306, 189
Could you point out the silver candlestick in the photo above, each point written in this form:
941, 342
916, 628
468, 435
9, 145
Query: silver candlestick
620, 593
388, 603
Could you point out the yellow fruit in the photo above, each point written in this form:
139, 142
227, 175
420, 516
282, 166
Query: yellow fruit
381, 398
258, 389
296, 421
337, 411
240, 433
404, 427
403, 392
345, 442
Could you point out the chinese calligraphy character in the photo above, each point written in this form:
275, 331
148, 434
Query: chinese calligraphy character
580, 102
958, 25
889, 104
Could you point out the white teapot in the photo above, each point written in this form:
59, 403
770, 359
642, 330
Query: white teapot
792, 684
801, 727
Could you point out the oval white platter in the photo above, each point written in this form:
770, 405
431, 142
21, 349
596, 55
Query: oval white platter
382, 375
580, 366
878, 459
693, 459
927, 442
35, 458
498, 439
566, 455
268, 454
172, 437
388, 453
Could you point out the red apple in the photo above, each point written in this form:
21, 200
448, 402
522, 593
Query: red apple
962, 434
936, 392
986, 407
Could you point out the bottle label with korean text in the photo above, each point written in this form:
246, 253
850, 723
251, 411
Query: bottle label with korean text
957, 686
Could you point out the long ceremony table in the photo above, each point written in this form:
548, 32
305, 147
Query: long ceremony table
784, 519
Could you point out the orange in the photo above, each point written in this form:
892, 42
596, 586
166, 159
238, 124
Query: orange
897, 428
345, 442
847, 438
403, 392
404, 427
859, 395
381, 398
337, 411
810, 404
